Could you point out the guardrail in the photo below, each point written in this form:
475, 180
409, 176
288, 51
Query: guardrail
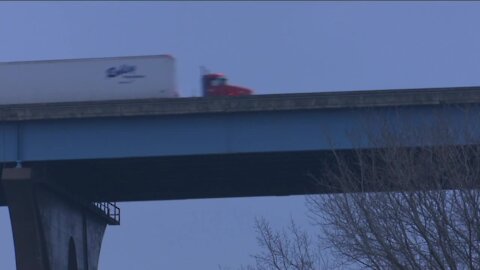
110, 210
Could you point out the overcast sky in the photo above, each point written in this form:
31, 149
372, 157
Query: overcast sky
272, 47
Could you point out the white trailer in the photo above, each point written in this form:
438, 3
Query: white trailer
94, 79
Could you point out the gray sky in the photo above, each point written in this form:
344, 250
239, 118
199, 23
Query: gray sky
272, 47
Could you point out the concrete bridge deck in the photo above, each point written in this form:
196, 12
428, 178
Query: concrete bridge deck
256, 103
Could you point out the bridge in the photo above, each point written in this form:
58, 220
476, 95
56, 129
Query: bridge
62, 162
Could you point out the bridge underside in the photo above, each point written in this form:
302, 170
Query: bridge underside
186, 177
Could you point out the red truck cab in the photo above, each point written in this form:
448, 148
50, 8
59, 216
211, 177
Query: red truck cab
215, 84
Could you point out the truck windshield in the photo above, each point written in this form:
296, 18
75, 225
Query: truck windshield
218, 82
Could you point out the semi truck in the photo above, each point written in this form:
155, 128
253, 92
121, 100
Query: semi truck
99, 79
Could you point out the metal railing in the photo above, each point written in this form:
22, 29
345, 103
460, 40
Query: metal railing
110, 210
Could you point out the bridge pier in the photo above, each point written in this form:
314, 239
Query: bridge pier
51, 229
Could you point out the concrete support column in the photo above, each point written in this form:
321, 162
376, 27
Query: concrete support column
50, 230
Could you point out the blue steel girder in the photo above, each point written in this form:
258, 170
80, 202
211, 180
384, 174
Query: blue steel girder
213, 133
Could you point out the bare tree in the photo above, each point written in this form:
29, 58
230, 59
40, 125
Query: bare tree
290, 249
410, 200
